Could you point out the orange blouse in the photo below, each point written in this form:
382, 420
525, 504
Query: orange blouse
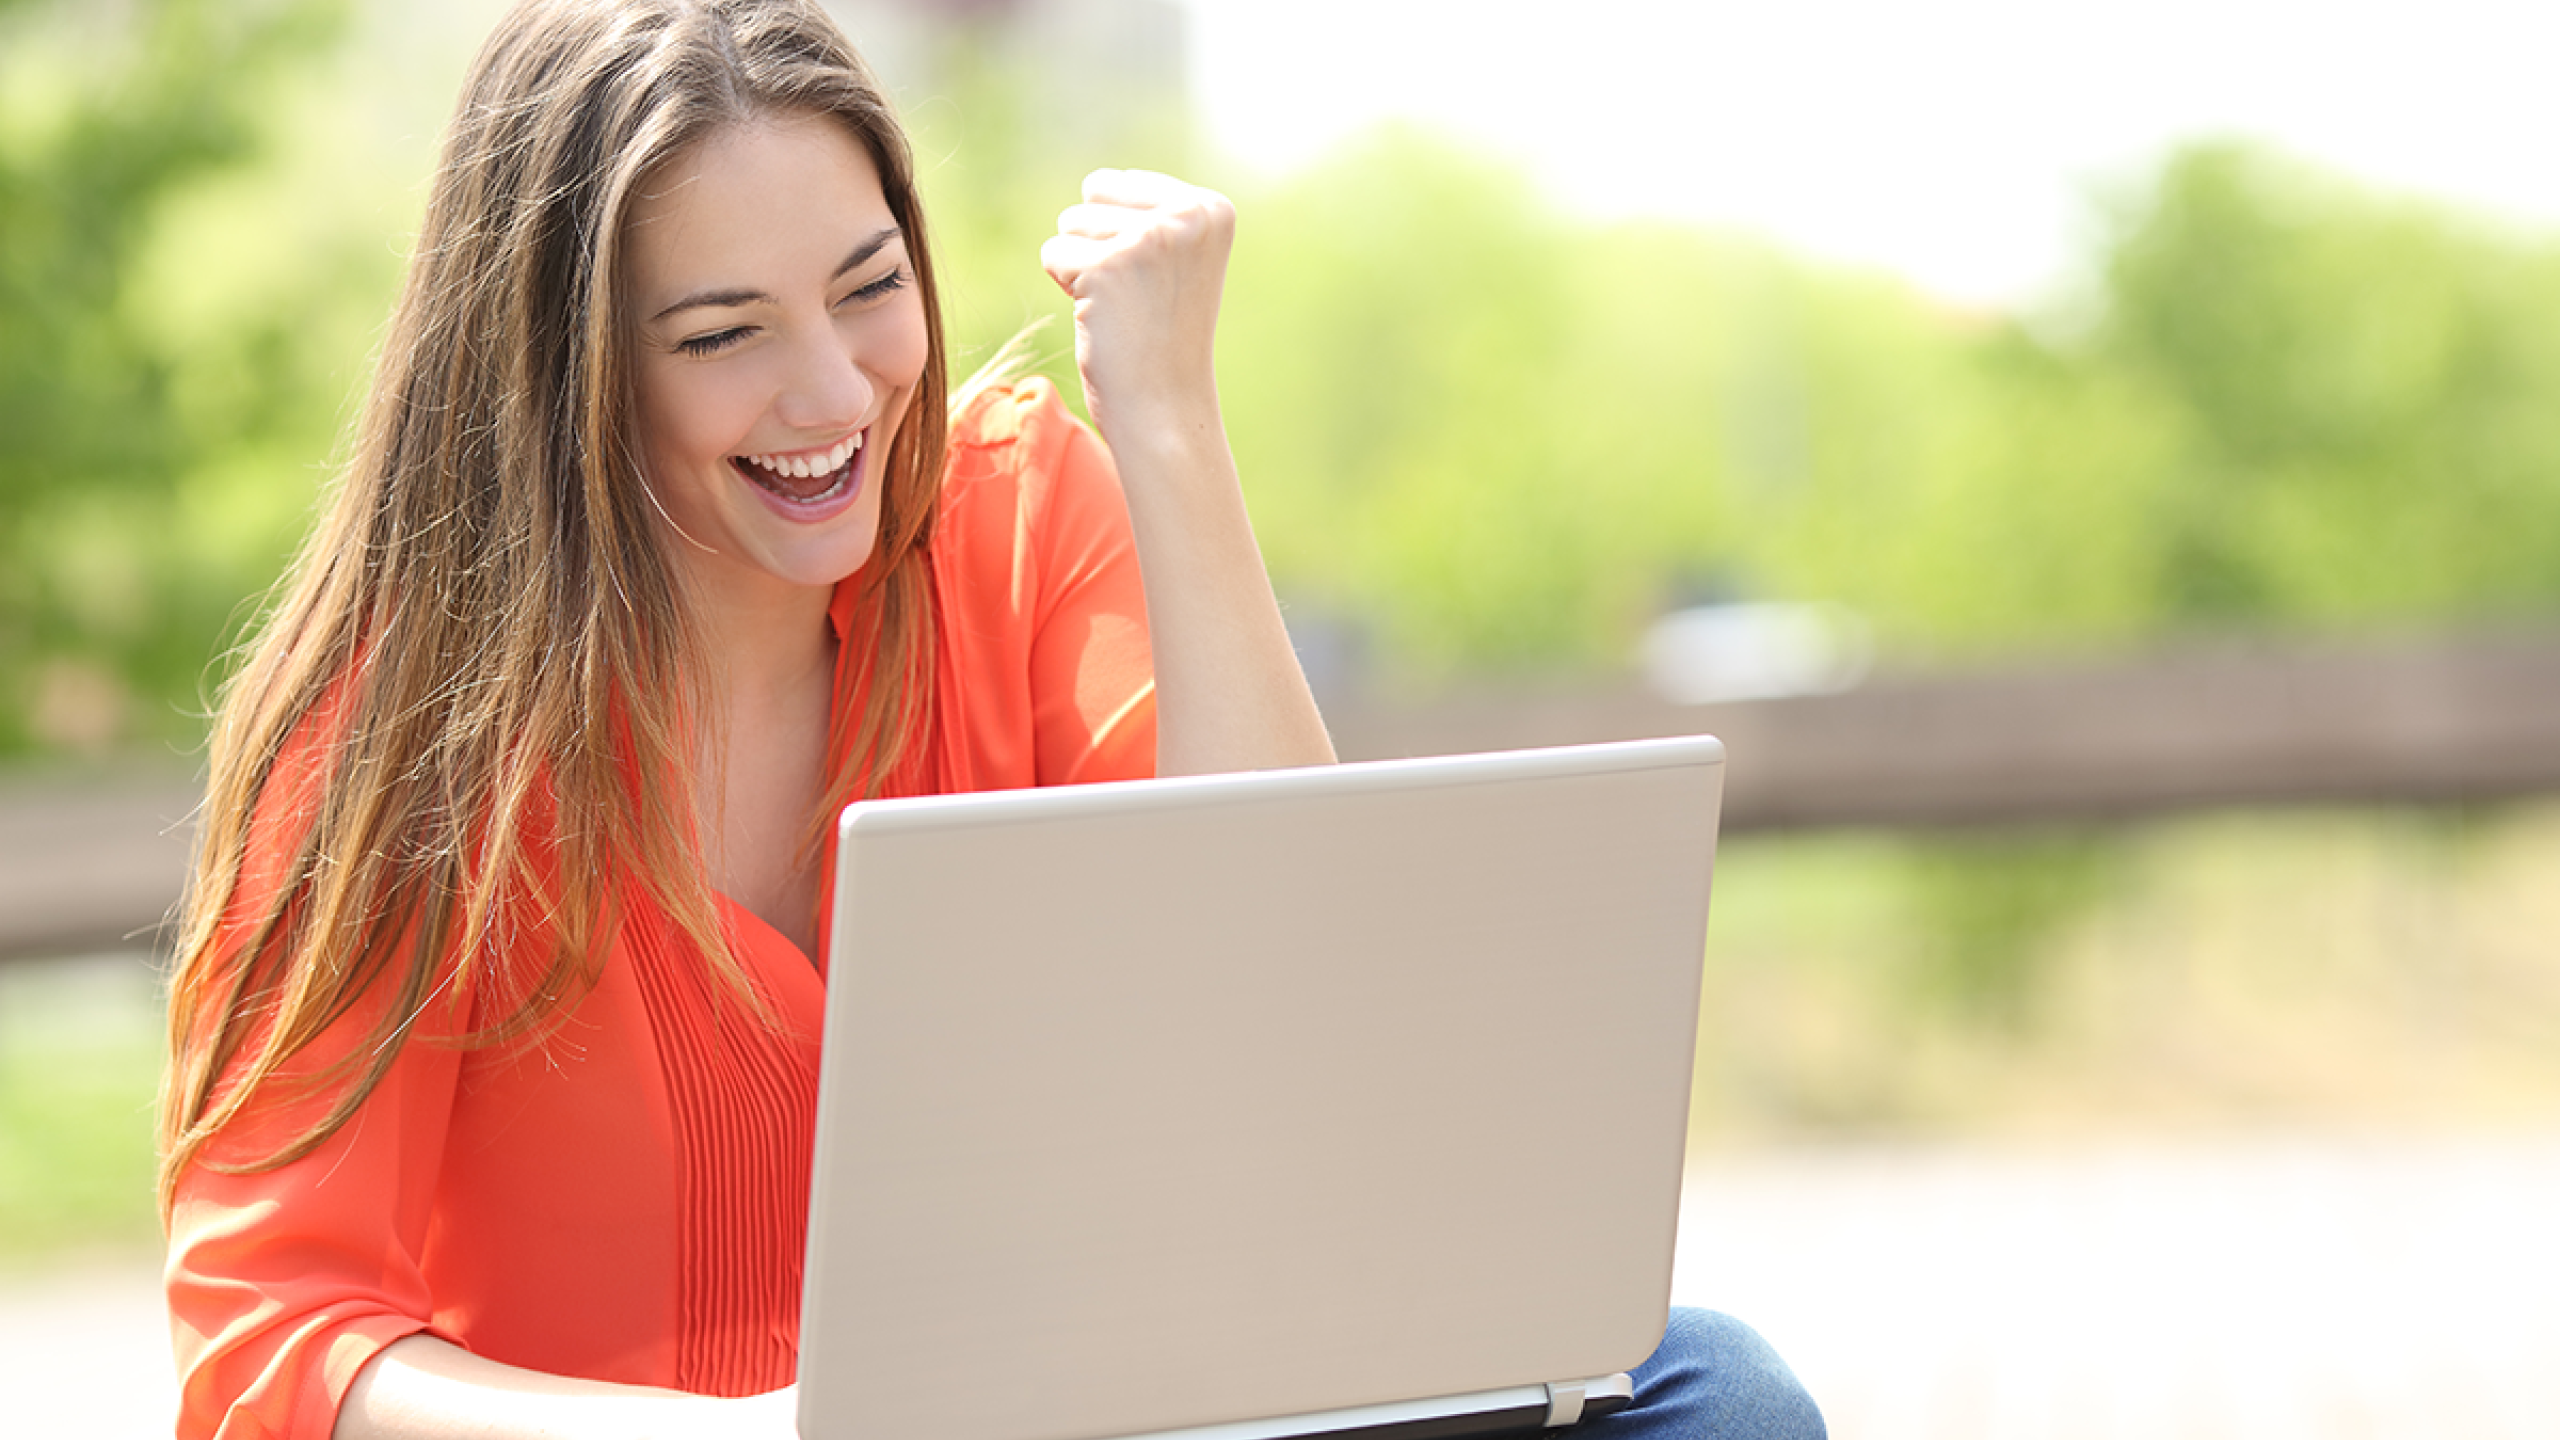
627, 1199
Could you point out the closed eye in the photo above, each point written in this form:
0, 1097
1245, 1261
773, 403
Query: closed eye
715, 342
879, 289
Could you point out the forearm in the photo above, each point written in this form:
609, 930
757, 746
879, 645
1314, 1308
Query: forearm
1229, 691
1145, 257
422, 1388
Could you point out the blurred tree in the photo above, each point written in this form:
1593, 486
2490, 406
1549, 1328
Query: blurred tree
998, 161
1989, 909
1390, 360
108, 113
2370, 388
1483, 432
1504, 438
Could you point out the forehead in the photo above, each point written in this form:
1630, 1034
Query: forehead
755, 204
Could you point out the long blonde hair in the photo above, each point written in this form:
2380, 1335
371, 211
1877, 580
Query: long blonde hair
475, 697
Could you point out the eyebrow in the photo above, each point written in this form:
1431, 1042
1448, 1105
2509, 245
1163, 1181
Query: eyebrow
869, 246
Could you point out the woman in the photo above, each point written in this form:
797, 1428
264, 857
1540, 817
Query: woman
494, 1026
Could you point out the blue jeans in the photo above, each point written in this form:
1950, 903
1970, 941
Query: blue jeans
1713, 1378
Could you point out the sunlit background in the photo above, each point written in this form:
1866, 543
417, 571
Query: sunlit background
1686, 352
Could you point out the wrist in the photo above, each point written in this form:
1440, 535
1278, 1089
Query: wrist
1185, 432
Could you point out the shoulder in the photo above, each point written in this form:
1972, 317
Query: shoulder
1017, 452
1014, 416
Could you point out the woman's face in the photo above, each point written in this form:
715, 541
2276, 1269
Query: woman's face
781, 336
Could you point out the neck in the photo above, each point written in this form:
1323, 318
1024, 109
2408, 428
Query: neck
769, 645
773, 680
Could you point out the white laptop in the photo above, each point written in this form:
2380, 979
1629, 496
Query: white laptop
1330, 1102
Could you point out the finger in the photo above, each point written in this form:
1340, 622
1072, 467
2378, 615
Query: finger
1068, 257
1097, 222
1136, 189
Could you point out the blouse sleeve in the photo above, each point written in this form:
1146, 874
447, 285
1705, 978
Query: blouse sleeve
282, 1282
1044, 640
1093, 677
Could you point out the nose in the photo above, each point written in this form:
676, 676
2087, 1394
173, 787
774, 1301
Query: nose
827, 389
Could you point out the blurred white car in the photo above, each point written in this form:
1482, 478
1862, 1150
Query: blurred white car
1760, 651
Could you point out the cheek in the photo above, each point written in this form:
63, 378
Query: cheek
687, 420
901, 346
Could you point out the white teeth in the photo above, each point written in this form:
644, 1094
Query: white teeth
802, 467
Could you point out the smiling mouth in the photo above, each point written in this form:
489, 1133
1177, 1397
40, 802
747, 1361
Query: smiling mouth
808, 478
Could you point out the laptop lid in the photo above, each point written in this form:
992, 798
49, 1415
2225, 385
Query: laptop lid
1240, 1101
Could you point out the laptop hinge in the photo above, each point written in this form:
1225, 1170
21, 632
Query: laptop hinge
1570, 1402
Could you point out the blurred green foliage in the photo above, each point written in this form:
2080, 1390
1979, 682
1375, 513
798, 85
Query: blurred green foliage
124, 393
2365, 393
1478, 431
1985, 909
2305, 969
1509, 438
995, 174
79, 1070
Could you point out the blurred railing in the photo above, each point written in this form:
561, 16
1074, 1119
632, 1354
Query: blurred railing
98, 863
91, 861
2440, 720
